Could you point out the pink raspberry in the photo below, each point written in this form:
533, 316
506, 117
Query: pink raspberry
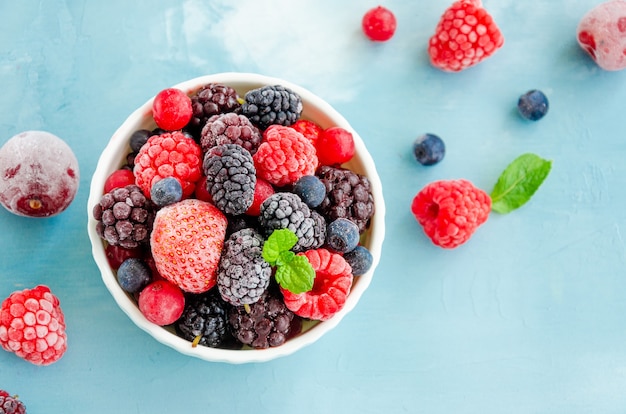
169, 155
284, 156
32, 326
450, 211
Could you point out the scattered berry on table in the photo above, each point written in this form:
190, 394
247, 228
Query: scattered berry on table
119, 178
309, 129
379, 24
311, 190
230, 177
285, 210
166, 191
429, 149
360, 260
32, 325
230, 128
186, 242
271, 105
284, 156
133, 275
40, 174
262, 190
11, 404
161, 302
116, 255
169, 155
335, 146
138, 139
465, 36
600, 33
533, 105
342, 235
333, 281
450, 211
171, 109
211, 99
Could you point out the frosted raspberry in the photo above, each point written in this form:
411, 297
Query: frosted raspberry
450, 211
333, 281
32, 326
284, 156
169, 155
309, 129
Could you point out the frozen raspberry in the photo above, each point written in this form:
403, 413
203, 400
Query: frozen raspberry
465, 36
602, 34
32, 326
230, 128
308, 128
161, 302
205, 320
211, 99
171, 109
186, 242
272, 105
11, 404
169, 155
379, 24
335, 146
450, 211
333, 281
284, 156
262, 190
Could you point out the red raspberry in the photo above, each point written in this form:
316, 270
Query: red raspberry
169, 155
335, 146
161, 302
119, 178
379, 24
465, 35
32, 326
11, 404
172, 109
450, 211
309, 129
284, 156
333, 281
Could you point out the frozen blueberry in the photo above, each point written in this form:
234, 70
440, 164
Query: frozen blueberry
533, 105
133, 275
138, 138
311, 190
429, 149
342, 235
166, 191
360, 260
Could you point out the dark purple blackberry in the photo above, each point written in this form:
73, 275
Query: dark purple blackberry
319, 230
231, 177
211, 99
230, 128
243, 275
125, 217
348, 195
271, 105
284, 210
205, 320
268, 322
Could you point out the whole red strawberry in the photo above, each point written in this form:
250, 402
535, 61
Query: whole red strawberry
465, 35
32, 326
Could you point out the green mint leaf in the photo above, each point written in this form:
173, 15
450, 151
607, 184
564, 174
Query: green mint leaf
279, 241
285, 258
297, 276
518, 182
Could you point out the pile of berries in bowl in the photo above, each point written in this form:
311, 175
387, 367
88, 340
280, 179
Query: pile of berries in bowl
236, 217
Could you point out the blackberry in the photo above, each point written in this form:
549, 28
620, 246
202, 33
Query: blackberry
231, 177
243, 275
271, 105
205, 320
125, 217
230, 128
211, 99
319, 230
286, 210
268, 323
348, 195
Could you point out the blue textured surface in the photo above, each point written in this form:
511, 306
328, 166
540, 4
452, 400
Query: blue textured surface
527, 317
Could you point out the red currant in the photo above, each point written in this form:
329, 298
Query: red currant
172, 109
335, 146
262, 190
379, 24
119, 178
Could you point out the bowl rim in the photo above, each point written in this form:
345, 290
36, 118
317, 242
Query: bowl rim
109, 161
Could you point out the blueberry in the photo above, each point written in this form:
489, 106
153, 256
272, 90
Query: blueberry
133, 275
429, 149
360, 259
533, 105
342, 235
138, 138
166, 191
311, 190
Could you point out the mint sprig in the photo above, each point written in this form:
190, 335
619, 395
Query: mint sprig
293, 272
518, 182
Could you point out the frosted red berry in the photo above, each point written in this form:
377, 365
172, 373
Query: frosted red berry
379, 24
335, 146
309, 129
32, 326
161, 302
466, 35
10, 404
172, 109
119, 178
116, 254
450, 211
201, 192
262, 190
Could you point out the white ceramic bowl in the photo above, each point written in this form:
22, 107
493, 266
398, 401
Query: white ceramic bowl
315, 109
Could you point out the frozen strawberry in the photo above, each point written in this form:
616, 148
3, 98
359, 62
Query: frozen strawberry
186, 242
602, 34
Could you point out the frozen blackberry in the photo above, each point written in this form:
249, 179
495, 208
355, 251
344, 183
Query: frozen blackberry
125, 217
231, 177
230, 128
284, 210
348, 195
272, 104
205, 320
268, 322
211, 99
319, 230
243, 275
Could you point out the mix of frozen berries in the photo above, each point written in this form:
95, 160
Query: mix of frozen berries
11, 404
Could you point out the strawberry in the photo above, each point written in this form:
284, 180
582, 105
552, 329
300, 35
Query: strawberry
186, 242
465, 35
